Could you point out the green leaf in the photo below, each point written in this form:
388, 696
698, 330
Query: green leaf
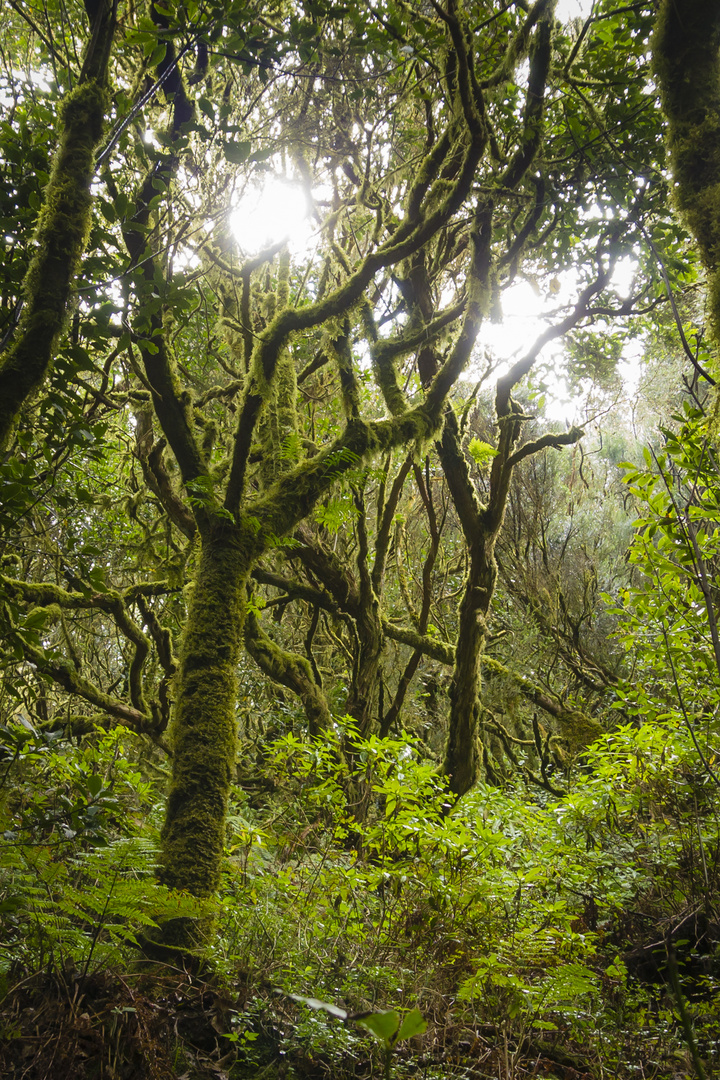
382, 1024
94, 784
481, 452
413, 1024
206, 107
236, 152
158, 54
108, 210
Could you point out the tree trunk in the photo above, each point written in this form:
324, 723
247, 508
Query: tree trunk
204, 726
363, 693
686, 58
62, 230
463, 754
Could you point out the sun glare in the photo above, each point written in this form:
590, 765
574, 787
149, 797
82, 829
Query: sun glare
276, 211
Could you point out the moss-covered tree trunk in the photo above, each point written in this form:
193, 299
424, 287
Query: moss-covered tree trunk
204, 726
480, 525
364, 684
62, 230
686, 58
463, 752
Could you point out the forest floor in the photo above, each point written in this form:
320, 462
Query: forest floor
174, 1026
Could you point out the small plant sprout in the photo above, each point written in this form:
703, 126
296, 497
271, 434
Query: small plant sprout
387, 1025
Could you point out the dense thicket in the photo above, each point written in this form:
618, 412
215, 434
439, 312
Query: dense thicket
304, 600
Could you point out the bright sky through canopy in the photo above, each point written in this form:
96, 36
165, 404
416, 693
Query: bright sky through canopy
267, 214
528, 307
573, 9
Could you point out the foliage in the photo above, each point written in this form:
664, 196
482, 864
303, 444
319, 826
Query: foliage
669, 613
387, 1025
77, 880
246, 487
530, 913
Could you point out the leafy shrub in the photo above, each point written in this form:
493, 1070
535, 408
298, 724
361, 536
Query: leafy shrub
77, 881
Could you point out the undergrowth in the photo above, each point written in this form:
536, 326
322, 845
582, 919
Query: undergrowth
533, 933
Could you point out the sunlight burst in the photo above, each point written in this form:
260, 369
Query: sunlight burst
276, 211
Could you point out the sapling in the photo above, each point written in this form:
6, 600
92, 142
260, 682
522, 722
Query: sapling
387, 1025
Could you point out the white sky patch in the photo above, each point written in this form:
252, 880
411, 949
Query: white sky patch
567, 10
267, 214
42, 79
522, 305
630, 366
529, 306
623, 276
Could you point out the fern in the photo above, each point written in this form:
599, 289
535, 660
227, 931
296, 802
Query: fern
85, 912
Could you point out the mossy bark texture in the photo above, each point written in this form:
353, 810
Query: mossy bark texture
62, 231
463, 752
686, 59
204, 727
480, 526
288, 670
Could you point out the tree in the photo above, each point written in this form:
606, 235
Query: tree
62, 226
686, 57
496, 128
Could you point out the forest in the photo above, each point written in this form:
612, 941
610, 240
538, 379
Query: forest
359, 539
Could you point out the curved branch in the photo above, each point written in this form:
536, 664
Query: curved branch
64, 674
53, 597
290, 670
576, 724
565, 438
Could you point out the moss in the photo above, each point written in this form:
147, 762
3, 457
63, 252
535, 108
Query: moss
294, 495
386, 378
278, 424
290, 670
203, 732
686, 60
462, 754
61, 236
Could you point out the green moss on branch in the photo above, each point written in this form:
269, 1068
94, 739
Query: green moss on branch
290, 670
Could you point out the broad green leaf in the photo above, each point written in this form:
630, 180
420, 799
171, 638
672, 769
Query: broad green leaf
413, 1024
382, 1024
236, 152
